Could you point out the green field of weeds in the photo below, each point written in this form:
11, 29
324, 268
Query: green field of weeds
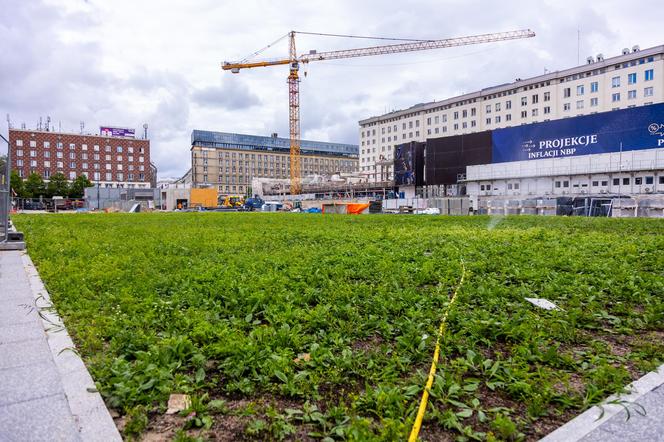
310, 327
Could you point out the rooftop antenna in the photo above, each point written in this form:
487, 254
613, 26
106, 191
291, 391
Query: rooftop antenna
82, 126
9, 122
39, 127
48, 123
59, 126
23, 125
145, 131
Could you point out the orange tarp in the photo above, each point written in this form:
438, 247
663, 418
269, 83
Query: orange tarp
356, 208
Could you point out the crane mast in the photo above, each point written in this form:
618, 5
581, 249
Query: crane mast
294, 80
294, 118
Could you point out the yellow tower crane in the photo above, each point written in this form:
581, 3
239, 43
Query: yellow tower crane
295, 60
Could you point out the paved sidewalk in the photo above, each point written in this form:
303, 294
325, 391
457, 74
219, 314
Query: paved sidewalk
46, 394
612, 422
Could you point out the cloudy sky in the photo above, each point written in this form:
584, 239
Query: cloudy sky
129, 62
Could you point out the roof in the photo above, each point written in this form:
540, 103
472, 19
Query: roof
607, 62
244, 141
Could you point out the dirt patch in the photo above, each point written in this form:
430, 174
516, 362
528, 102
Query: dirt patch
369, 344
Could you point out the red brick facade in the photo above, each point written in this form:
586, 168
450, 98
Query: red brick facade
127, 160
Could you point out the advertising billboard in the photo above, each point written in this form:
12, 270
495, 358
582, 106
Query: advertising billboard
122, 132
409, 164
447, 157
627, 129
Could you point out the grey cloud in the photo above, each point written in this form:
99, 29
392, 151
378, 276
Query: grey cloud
229, 95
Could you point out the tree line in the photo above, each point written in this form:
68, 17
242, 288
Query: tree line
58, 185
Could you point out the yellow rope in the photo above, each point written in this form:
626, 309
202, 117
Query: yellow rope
417, 425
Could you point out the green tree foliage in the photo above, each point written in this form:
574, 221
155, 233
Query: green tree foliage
58, 186
34, 186
78, 186
17, 185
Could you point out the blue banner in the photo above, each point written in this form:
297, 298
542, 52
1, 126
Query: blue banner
636, 128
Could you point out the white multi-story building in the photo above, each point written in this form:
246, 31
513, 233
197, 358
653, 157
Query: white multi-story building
632, 79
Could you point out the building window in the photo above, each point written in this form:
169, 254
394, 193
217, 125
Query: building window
566, 106
72, 175
579, 104
524, 101
631, 78
579, 90
72, 165
631, 95
19, 163
47, 145
615, 97
547, 96
524, 114
615, 82
625, 181
647, 92
649, 75
456, 115
508, 105
19, 143
567, 92
488, 108
535, 112
547, 110
594, 101
47, 173
508, 117
84, 147
650, 180
594, 86
33, 143
497, 107
72, 146
535, 99
565, 183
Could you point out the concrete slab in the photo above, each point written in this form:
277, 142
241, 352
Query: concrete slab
17, 311
20, 333
43, 419
17, 354
28, 382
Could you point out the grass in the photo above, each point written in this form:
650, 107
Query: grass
297, 326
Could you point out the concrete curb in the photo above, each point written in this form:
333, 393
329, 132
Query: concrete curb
588, 421
86, 404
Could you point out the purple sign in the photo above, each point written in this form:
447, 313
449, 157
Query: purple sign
121, 132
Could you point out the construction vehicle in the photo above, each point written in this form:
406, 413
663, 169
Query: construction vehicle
255, 203
294, 61
233, 202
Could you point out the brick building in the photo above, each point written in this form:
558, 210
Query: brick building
109, 161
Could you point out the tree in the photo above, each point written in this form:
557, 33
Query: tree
34, 186
58, 186
17, 185
77, 189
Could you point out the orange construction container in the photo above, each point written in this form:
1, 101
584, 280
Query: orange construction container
203, 198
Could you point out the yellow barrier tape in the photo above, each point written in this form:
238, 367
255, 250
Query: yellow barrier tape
417, 425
